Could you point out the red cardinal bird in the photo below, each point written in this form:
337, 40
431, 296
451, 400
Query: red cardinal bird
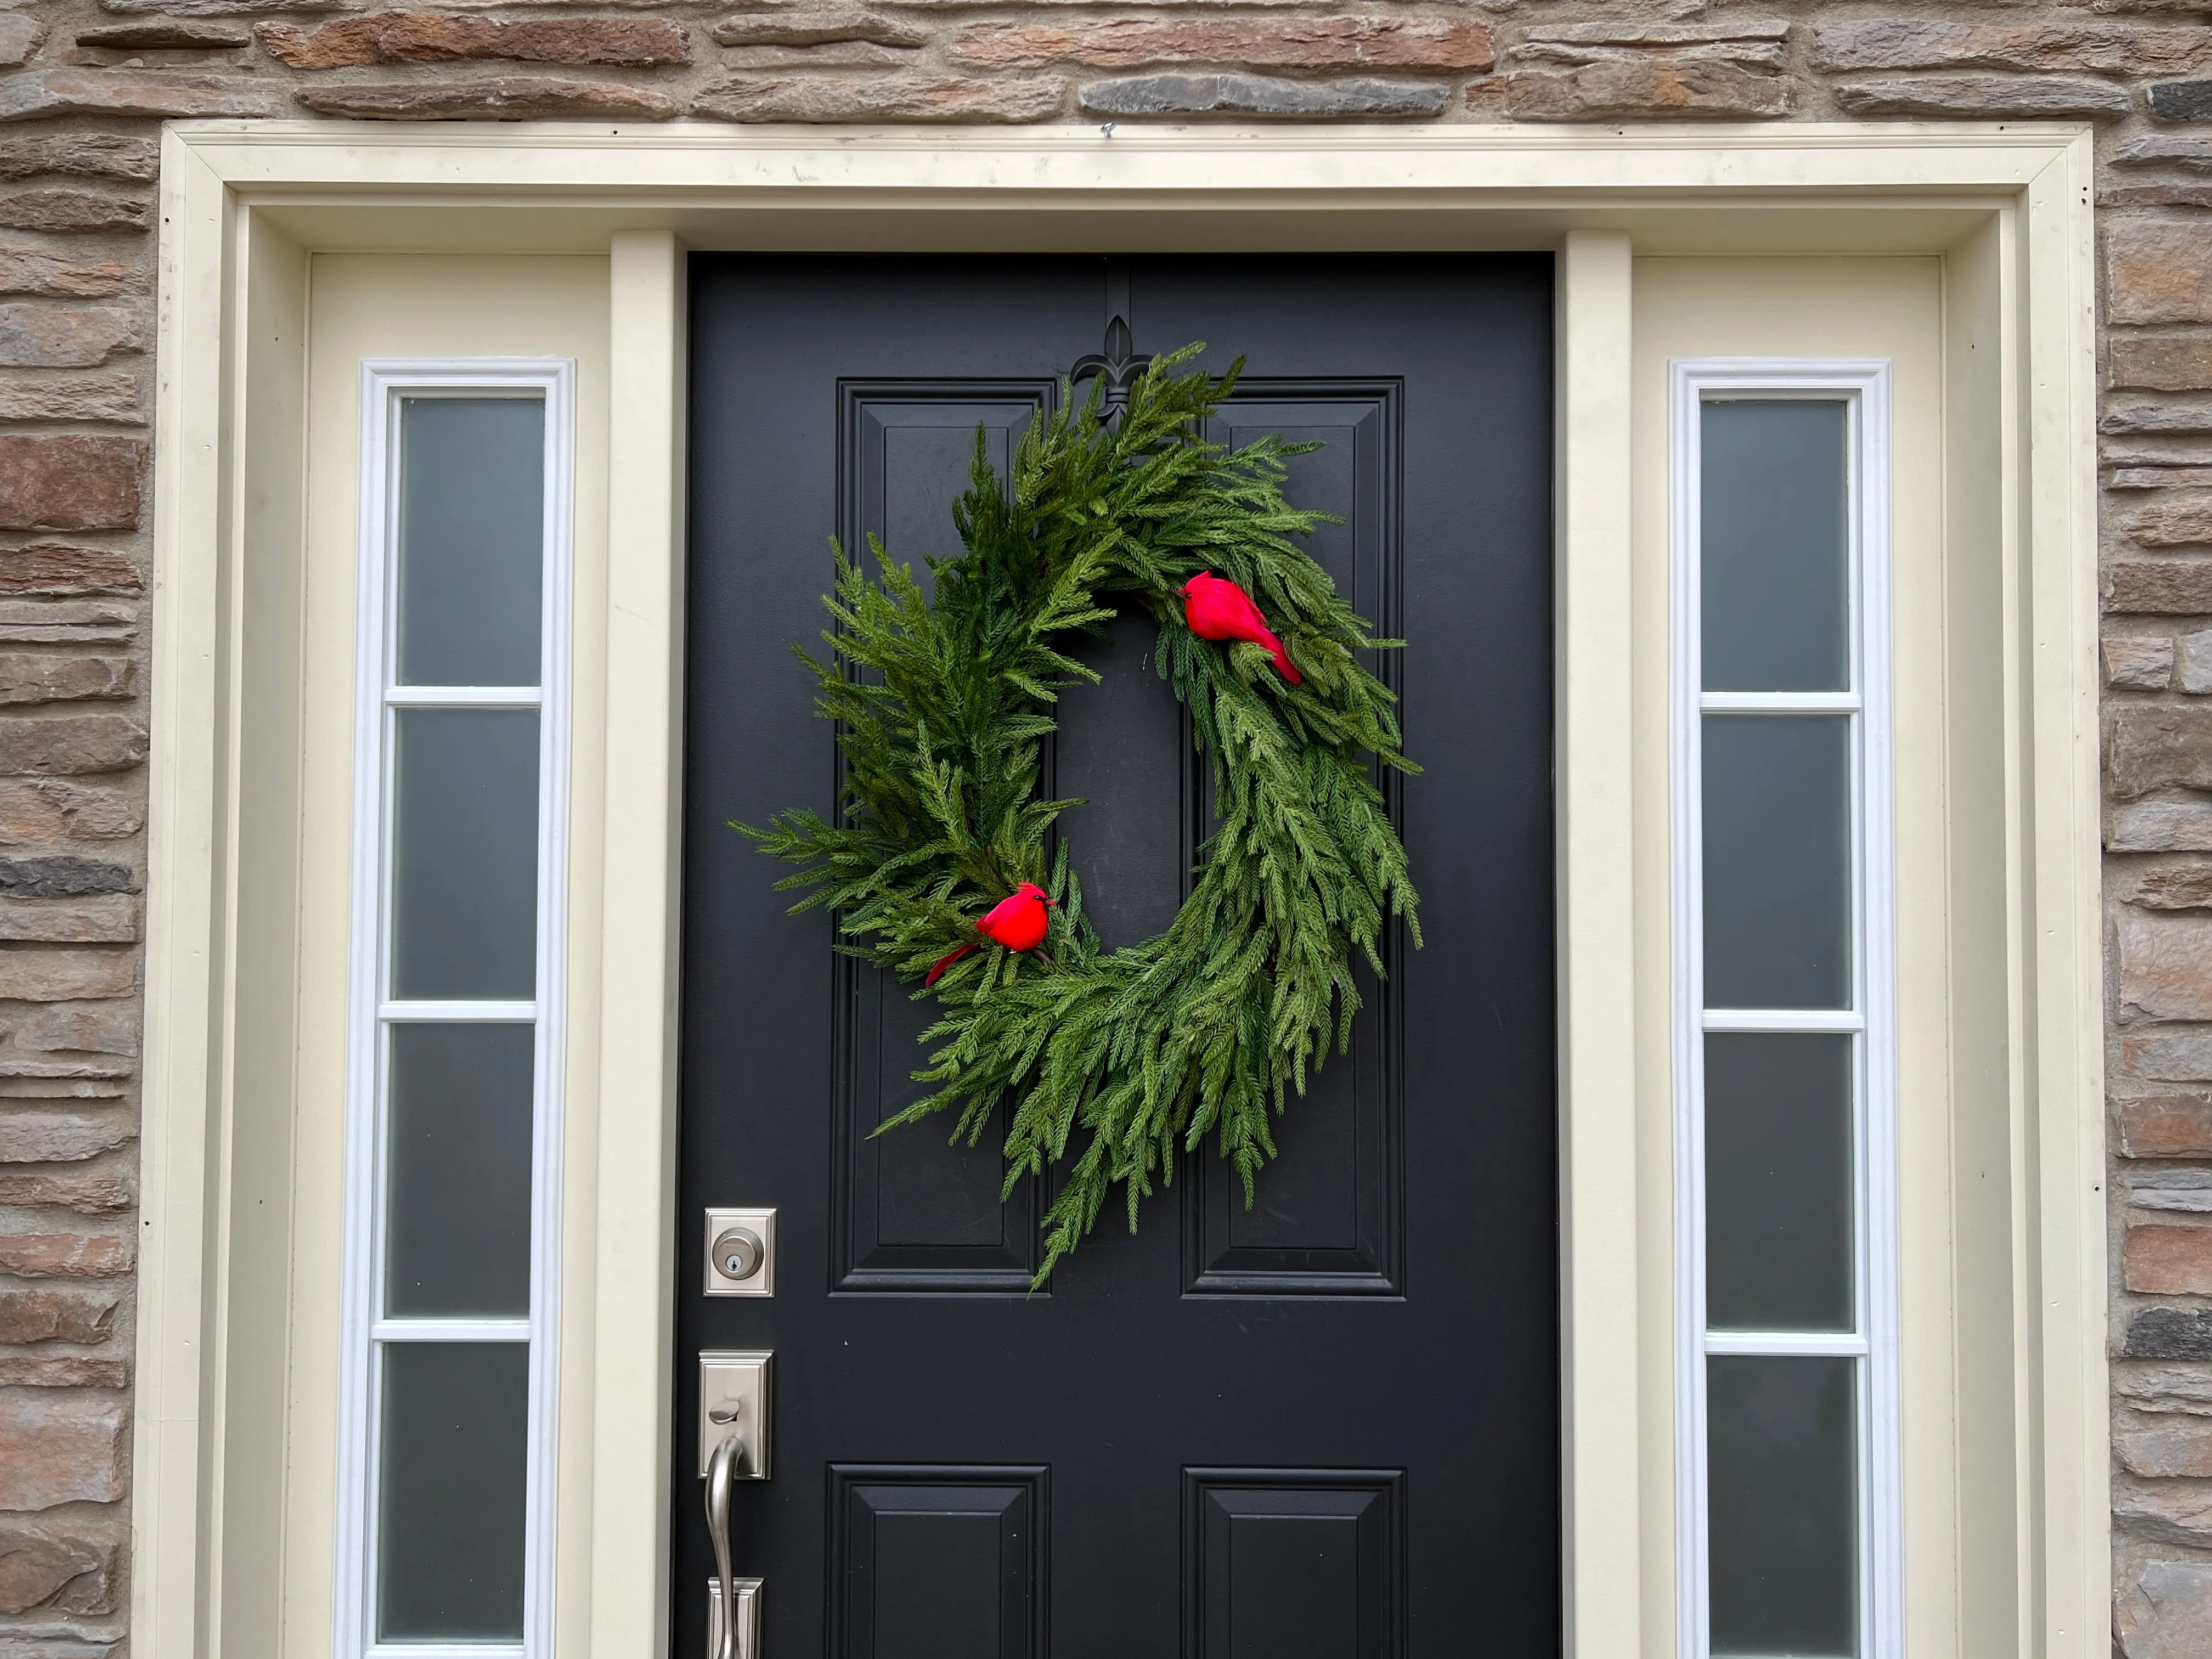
1217, 609
1017, 921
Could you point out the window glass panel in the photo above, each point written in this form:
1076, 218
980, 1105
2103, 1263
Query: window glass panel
464, 865
471, 540
1778, 1167
1778, 860
450, 1545
1776, 585
1784, 1525
456, 1195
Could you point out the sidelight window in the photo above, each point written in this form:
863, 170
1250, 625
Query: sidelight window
453, 1117
1786, 1388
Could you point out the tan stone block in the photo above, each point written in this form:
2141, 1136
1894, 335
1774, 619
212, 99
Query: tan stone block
831, 54
2193, 663
49, 1570
1929, 43
68, 622
2162, 588
2173, 887
98, 1028
66, 678
1273, 97
2164, 1446
1272, 42
59, 1138
57, 568
38, 1313
2150, 747
428, 37
2158, 272
19, 34
512, 98
118, 399
81, 1194
2165, 1258
108, 919
2143, 473
2183, 519
56, 337
2160, 363
71, 745
1987, 97
44, 811
34, 270
2161, 826
878, 98
1752, 43
2167, 1612
79, 155
2172, 1515
2139, 665
2165, 1125
67, 976
48, 1371
41, 93
164, 33
810, 26
1662, 88
2154, 195
70, 210
64, 1256
58, 1449
2164, 966
68, 481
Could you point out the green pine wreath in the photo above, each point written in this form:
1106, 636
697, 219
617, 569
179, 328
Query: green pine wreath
943, 706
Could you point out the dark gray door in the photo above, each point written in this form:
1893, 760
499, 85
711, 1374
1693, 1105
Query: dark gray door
1324, 1428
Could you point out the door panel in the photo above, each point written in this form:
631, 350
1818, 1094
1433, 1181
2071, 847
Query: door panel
1325, 1425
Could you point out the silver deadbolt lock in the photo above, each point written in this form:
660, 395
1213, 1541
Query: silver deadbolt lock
739, 1254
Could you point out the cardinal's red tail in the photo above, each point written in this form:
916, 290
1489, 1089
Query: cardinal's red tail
1283, 663
943, 963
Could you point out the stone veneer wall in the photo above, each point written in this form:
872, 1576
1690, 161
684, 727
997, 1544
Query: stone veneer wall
83, 84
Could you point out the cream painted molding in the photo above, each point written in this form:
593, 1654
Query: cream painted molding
245, 204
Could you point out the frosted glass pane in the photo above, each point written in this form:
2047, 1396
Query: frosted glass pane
452, 1482
456, 1193
465, 853
471, 540
1775, 584
1777, 861
1784, 1507
1777, 1181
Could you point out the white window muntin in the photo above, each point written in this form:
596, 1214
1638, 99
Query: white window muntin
1863, 388
387, 385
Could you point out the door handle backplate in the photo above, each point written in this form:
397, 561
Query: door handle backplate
734, 1397
748, 1598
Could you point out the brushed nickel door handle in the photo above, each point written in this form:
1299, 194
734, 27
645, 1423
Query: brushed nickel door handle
729, 1456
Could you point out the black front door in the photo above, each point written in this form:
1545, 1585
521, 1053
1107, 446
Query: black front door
1322, 1428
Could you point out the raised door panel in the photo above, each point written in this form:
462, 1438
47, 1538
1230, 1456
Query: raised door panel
1293, 1564
915, 1211
937, 1563
1327, 1218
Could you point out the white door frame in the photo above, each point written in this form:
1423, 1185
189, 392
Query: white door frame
244, 206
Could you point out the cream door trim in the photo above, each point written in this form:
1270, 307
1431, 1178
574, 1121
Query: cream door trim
245, 203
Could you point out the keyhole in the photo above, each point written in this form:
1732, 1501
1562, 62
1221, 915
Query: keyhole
737, 1254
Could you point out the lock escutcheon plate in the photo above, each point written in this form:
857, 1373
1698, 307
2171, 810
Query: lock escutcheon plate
759, 1222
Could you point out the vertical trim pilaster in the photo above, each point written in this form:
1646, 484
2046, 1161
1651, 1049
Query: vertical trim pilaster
1601, 1425
634, 1394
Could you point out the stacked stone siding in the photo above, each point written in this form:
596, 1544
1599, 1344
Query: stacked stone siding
84, 84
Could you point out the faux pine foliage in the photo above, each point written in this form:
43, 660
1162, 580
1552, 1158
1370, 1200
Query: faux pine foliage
1130, 1055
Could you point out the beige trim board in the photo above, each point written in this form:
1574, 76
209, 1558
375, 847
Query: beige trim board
245, 204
